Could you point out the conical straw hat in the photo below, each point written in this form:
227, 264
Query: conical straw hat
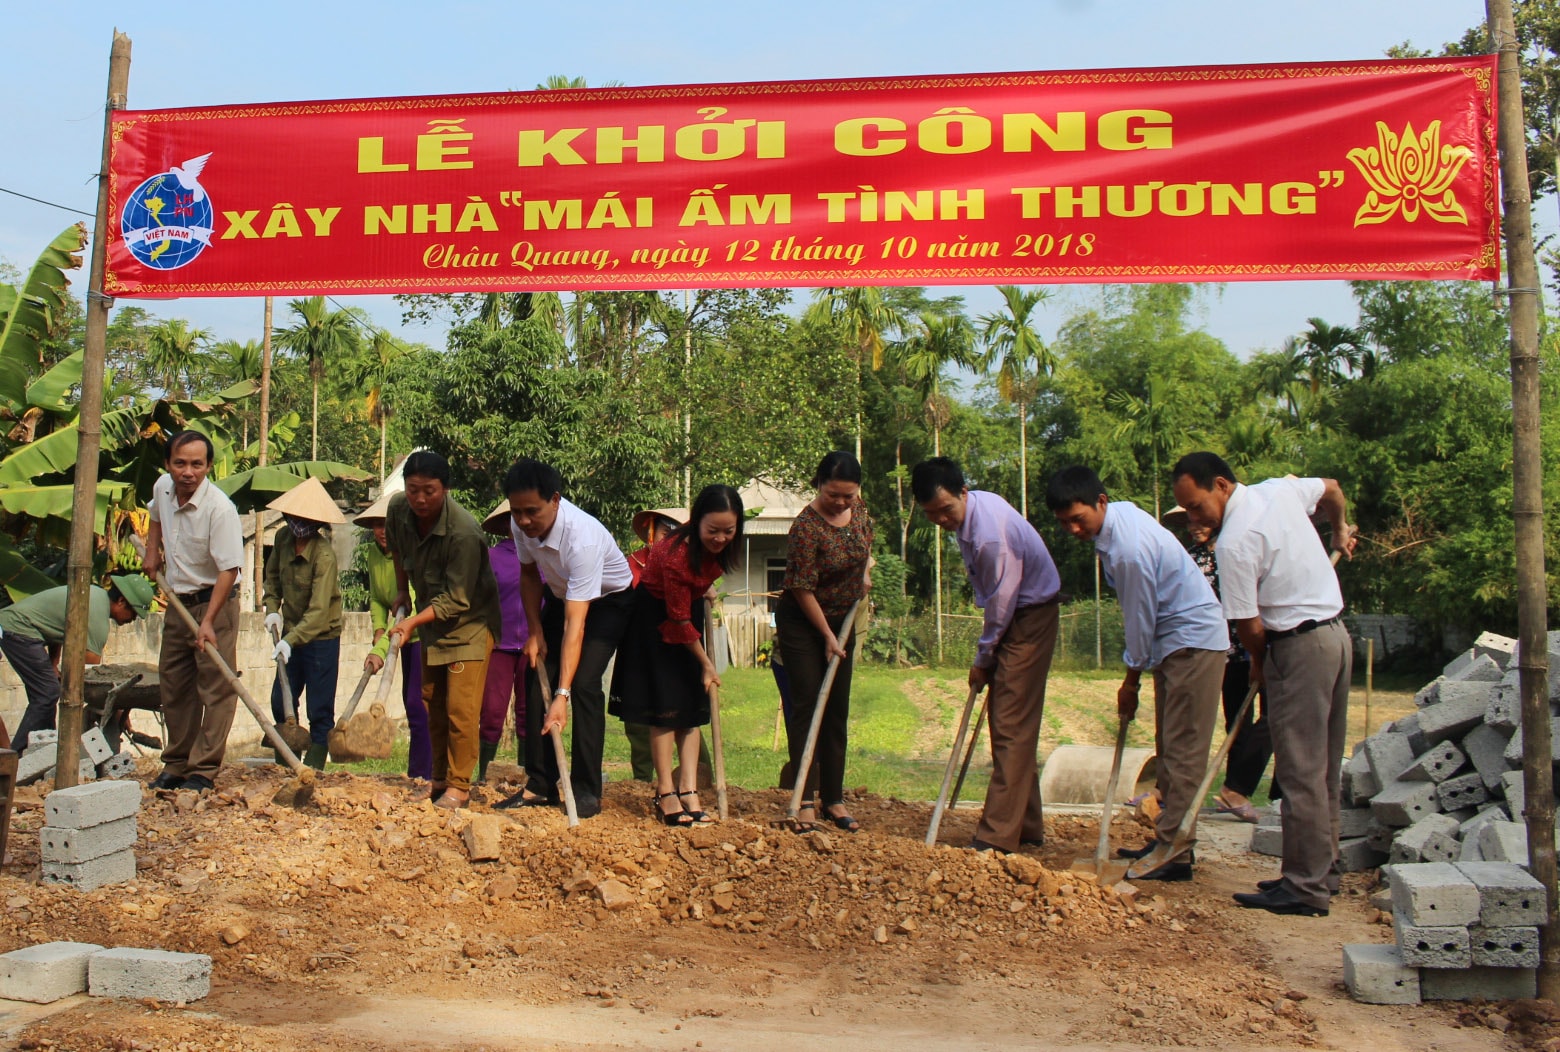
498, 519
375, 513
308, 500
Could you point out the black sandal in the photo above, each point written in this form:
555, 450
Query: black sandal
844, 822
524, 798
679, 819
699, 817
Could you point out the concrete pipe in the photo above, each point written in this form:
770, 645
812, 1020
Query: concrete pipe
1077, 774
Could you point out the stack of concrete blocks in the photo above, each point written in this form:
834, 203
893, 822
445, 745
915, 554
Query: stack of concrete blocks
1464, 930
88, 839
1443, 784
97, 759
53, 970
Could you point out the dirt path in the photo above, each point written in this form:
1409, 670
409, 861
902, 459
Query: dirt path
368, 929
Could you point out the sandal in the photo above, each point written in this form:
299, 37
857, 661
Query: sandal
804, 825
1246, 812
678, 819
452, 799
699, 817
525, 798
842, 821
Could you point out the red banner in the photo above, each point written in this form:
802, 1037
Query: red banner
1382, 169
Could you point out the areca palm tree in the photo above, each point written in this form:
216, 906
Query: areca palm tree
233, 362
865, 316
173, 351
1020, 357
320, 334
1327, 351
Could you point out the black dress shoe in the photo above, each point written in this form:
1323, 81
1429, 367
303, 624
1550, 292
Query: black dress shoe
1269, 885
1277, 900
1031, 843
166, 780
1136, 852
1169, 872
977, 844
198, 782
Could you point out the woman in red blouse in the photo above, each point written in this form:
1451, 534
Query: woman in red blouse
825, 575
663, 674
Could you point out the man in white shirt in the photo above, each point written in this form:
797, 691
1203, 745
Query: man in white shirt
588, 602
1174, 626
196, 537
1280, 591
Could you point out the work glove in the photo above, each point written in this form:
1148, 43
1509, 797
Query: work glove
283, 651
273, 623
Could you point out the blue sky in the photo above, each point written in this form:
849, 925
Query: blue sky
54, 56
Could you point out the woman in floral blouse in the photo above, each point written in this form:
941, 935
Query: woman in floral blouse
663, 674
825, 575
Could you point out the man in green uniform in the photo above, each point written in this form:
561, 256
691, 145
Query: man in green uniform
33, 625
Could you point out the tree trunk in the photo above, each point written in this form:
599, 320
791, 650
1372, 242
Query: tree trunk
899, 499
314, 424
383, 426
1023, 459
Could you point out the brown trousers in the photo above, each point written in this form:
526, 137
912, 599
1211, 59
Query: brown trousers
453, 694
1188, 685
1017, 703
198, 702
1307, 679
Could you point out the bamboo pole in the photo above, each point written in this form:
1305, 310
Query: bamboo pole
1370, 678
265, 425
89, 435
1527, 484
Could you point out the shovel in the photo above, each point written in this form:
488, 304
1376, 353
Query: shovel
953, 758
564, 784
371, 735
969, 753
1100, 865
301, 790
715, 740
295, 736
817, 717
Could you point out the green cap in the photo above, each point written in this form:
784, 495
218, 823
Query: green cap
137, 590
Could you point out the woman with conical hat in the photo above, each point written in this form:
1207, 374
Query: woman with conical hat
303, 604
381, 608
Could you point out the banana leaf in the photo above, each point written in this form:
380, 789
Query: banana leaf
50, 389
257, 487
45, 502
55, 453
30, 315
19, 577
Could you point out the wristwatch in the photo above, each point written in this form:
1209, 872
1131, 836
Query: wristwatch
563, 692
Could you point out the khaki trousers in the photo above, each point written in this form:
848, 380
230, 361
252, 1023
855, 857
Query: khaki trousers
1188, 685
453, 694
198, 702
1017, 703
1307, 678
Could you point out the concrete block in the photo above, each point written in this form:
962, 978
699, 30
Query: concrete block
1429, 694
1376, 975
1504, 711
1478, 984
1470, 828
1497, 647
1473, 667
1504, 947
1504, 842
156, 974
1409, 725
1268, 840
1462, 814
86, 771
116, 868
1431, 947
1485, 747
95, 746
1388, 756
1355, 855
1466, 790
1380, 837
1509, 897
45, 737
1437, 764
1431, 839
120, 765
1461, 708
1353, 822
91, 805
1513, 753
36, 762
1404, 803
1470, 851
1513, 789
46, 972
82, 845
1433, 894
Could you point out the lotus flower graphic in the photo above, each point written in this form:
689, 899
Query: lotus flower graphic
1408, 173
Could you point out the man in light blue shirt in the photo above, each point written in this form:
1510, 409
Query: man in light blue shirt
1174, 626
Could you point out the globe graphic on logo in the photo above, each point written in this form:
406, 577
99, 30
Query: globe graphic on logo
163, 224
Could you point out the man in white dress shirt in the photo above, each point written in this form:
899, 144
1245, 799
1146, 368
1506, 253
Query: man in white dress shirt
588, 602
1174, 626
1280, 591
196, 537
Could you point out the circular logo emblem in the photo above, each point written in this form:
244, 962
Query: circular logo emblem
166, 221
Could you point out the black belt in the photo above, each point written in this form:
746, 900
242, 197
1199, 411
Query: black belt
195, 598
1302, 628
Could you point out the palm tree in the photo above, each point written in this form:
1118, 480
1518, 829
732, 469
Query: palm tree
321, 333
865, 316
173, 351
375, 371
232, 362
1147, 422
1326, 350
1021, 358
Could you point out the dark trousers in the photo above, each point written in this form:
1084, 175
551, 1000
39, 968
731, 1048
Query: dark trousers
30, 659
311, 673
806, 666
1253, 741
604, 627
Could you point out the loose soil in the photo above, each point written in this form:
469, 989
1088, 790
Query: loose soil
359, 923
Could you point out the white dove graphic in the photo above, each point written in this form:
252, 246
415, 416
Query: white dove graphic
188, 175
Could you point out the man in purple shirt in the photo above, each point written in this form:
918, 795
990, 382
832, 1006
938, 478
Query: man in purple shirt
507, 667
1016, 584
